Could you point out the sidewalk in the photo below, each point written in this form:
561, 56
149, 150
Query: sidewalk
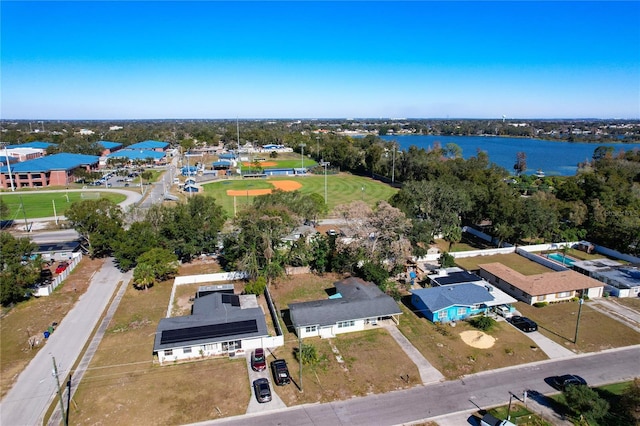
428, 374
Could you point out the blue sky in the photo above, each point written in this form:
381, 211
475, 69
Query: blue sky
214, 59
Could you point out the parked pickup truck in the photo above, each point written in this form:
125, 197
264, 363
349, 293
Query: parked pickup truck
280, 372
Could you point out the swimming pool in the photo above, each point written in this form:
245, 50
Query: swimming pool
560, 258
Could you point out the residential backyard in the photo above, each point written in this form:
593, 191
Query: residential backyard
511, 260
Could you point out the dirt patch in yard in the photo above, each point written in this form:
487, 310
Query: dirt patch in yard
477, 339
285, 185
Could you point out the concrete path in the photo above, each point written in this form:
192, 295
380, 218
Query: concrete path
255, 406
35, 389
428, 374
78, 373
611, 308
552, 349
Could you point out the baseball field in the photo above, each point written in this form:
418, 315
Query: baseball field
235, 195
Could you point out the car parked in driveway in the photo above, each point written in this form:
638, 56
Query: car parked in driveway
523, 323
61, 267
262, 389
280, 372
258, 361
566, 380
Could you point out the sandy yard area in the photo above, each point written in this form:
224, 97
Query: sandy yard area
477, 339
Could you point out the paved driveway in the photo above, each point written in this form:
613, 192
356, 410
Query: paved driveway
255, 406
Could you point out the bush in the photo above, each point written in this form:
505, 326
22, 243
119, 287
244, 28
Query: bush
540, 304
482, 323
256, 287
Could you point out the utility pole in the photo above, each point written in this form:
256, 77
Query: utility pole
580, 302
6, 154
393, 164
300, 355
55, 374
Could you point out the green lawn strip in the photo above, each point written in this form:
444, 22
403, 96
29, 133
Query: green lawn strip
519, 415
612, 394
42, 205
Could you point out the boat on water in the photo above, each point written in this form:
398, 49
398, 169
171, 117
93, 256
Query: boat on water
539, 173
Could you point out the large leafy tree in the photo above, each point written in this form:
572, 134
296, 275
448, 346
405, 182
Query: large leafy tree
19, 269
99, 223
255, 248
138, 239
155, 265
191, 228
586, 402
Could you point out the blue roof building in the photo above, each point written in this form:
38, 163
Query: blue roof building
453, 302
111, 146
34, 144
151, 145
227, 156
50, 170
138, 154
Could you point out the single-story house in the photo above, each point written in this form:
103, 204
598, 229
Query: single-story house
546, 287
52, 252
455, 302
620, 280
220, 324
360, 305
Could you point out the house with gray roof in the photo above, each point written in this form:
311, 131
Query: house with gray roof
620, 280
220, 324
452, 302
356, 306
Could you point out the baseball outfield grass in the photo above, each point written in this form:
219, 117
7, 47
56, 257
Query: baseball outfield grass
341, 188
34, 205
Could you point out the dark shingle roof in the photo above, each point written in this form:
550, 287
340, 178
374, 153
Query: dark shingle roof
216, 317
359, 300
457, 278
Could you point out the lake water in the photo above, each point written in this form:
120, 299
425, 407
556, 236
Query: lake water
553, 158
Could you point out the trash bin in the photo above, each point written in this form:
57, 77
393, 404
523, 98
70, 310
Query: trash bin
50, 329
46, 334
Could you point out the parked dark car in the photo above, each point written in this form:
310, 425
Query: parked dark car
523, 323
258, 361
262, 390
564, 381
280, 372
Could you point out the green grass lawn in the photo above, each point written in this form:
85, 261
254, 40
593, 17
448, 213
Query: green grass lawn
38, 205
342, 188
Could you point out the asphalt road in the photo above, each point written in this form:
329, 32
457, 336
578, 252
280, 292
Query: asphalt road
35, 389
476, 391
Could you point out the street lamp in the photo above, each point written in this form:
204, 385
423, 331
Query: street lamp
580, 302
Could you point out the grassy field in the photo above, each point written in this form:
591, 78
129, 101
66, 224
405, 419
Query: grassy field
511, 260
341, 189
38, 205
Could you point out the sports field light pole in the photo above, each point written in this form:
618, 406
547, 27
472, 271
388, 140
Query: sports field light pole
580, 302
325, 164
302, 145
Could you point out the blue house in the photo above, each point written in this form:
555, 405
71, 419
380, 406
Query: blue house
452, 302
